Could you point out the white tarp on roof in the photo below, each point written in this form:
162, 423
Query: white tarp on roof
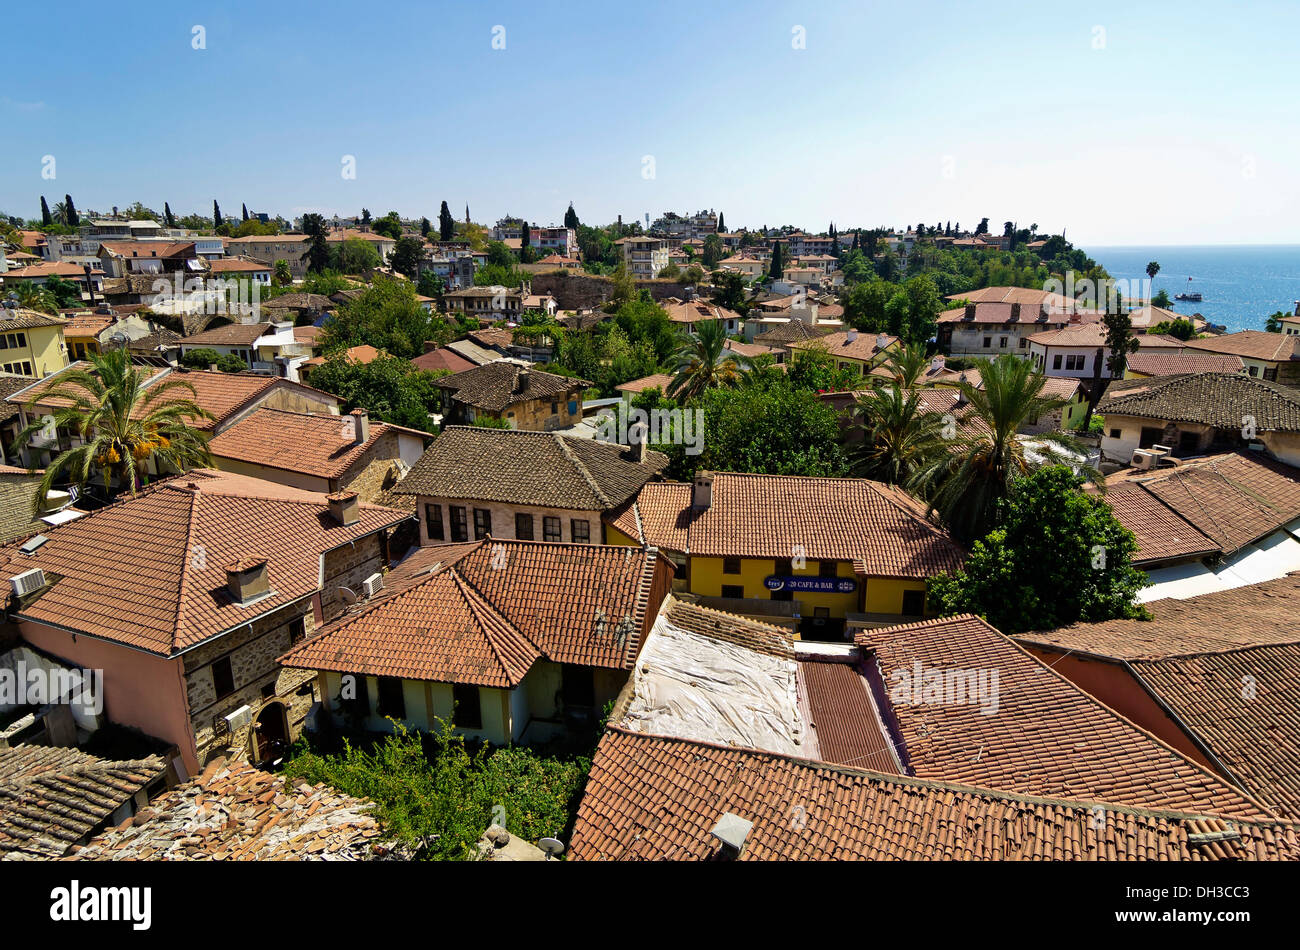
695, 687
1271, 557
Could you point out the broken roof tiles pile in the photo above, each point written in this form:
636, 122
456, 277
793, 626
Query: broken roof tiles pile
240, 813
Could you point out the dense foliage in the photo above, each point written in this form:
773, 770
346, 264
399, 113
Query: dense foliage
1058, 557
387, 387
433, 788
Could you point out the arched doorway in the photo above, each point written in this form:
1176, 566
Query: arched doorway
270, 733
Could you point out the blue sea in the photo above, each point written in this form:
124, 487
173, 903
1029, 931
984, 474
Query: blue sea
1240, 284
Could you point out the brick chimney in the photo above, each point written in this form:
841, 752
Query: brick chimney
360, 426
430, 345
345, 508
702, 491
247, 579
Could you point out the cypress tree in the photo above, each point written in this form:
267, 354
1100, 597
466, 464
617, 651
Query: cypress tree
71, 217
168, 217
46, 218
244, 209
216, 214
446, 226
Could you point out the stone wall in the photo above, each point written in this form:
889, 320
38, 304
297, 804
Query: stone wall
584, 291
376, 471
252, 651
347, 567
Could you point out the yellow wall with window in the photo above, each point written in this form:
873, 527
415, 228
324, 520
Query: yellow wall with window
41, 348
707, 578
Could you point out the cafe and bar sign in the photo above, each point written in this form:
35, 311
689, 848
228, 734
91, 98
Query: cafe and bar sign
815, 585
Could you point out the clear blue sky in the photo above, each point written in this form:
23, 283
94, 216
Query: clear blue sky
1181, 129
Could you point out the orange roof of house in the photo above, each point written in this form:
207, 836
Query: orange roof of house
229, 265
365, 353
653, 381
652, 798
848, 344
319, 445
1198, 655
1045, 737
150, 572
483, 613
1252, 344
768, 516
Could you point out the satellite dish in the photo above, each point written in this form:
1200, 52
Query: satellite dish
552, 846
349, 597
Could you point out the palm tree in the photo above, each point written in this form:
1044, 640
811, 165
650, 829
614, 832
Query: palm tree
966, 484
122, 424
905, 366
900, 437
60, 212
703, 362
31, 297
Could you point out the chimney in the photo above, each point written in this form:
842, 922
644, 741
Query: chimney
732, 831
360, 426
247, 579
1015, 312
521, 379
851, 334
970, 312
882, 341
702, 491
344, 507
212, 367
936, 364
430, 345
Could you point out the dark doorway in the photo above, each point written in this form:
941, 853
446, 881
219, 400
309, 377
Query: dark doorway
271, 733
823, 629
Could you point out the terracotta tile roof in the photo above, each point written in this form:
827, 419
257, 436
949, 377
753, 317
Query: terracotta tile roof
1025, 296
862, 346
1232, 499
495, 386
1082, 334
1160, 532
235, 812
484, 613
659, 511
1252, 344
651, 798
1221, 622
20, 319
1045, 736
749, 349
1228, 665
149, 572
362, 354
1220, 400
1151, 341
237, 265
320, 445
766, 516
232, 334
301, 301
695, 311
542, 469
790, 332
87, 325
1157, 363
147, 249
654, 380
34, 393
442, 359
48, 269
53, 798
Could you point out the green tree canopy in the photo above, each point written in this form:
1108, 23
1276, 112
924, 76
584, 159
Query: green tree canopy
1058, 557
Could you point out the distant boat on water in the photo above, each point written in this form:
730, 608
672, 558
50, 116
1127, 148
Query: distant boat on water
1193, 297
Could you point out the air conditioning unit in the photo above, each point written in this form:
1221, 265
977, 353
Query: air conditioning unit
27, 582
373, 584
239, 718
1143, 460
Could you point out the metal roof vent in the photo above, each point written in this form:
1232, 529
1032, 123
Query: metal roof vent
732, 831
32, 543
